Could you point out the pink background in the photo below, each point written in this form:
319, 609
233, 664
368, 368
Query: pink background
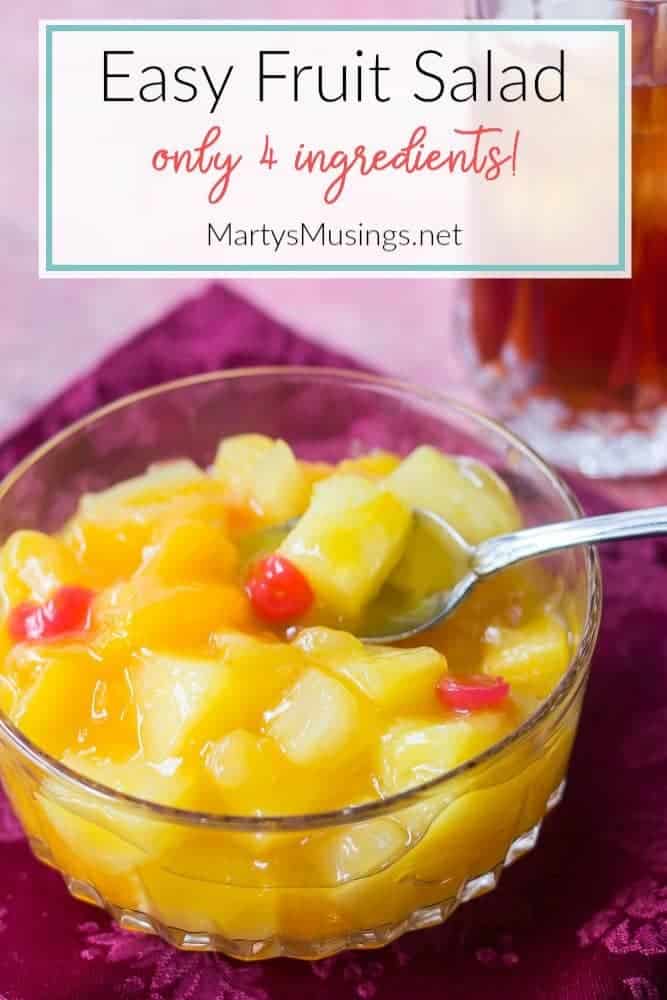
54, 329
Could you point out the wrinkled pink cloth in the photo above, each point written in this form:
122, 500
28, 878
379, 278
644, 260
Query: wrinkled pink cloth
584, 917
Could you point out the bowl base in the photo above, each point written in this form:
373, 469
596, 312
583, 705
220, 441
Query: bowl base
275, 947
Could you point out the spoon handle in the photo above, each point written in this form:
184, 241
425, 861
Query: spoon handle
505, 550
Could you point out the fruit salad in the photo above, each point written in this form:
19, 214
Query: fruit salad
189, 639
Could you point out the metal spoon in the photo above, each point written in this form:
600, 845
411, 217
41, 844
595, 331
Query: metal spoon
495, 554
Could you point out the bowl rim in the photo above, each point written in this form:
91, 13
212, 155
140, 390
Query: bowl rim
568, 685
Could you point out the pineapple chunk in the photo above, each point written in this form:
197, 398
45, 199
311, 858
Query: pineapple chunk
173, 695
361, 850
469, 495
259, 673
375, 465
253, 777
159, 483
229, 641
8, 696
236, 463
532, 658
348, 541
397, 680
207, 905
33, 565
186, 702
114, 836
233, 759
315, 472
434, 560
280, 489
6, 642
318, 722
264, 474
328, 645
419, 750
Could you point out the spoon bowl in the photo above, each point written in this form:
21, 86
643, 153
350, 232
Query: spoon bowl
475, 563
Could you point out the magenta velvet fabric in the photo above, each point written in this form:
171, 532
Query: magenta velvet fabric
584, 917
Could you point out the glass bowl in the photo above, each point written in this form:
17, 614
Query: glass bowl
253, 887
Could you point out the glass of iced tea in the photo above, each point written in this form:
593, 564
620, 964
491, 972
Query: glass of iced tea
579, 366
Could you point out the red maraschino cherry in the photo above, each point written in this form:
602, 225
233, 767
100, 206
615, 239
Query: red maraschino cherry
68, 610
278, 590
470, 694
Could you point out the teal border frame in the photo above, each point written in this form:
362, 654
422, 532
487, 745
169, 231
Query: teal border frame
599, 269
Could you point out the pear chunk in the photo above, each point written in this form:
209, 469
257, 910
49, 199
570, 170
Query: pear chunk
418, 750
112, 835
318, 721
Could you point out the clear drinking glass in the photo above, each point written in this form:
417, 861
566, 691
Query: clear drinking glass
252, 886
579, 367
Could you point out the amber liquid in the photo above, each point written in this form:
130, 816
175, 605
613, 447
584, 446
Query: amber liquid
594, 344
